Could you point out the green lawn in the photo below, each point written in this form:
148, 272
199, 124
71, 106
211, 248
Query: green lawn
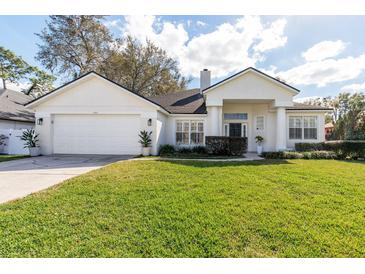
296, 208
4, 158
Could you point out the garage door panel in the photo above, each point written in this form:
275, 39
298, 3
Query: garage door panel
96, 134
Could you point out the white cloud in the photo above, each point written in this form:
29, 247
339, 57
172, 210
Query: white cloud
324, 72
323, 50
354, 88
201, 23
321, 68
272, 37
305, 99
227, 49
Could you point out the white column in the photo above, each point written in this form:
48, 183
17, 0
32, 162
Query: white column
214, 120
280, 129
220, 121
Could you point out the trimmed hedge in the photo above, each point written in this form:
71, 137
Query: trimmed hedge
300, 155
167, 150
222, 145
309, 146
343, 149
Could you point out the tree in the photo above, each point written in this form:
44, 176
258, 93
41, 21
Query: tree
41, 83
73, 45
145, 69
348, 114
12, 67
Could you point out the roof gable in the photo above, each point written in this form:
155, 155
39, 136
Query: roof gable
83, 79
257, 72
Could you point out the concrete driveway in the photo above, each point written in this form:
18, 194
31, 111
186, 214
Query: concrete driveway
20, 178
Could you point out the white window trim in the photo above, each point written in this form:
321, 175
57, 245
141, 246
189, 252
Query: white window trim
226, 125
242, 131
302, 127
243, 124
189, 121
263, 122
235, 113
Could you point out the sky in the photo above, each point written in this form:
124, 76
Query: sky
320, 55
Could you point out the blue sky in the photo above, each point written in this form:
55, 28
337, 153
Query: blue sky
320, 55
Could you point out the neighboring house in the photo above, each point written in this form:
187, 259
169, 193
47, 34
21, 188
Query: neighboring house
328, 129
93, 115
13, 114
14, 119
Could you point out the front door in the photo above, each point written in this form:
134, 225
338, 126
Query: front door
235, 129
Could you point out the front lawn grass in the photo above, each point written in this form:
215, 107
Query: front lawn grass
4, 158
276, 208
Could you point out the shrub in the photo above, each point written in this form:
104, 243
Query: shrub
282, 155
199, 150
273, 154
184, 150
222, 145
292, 155
343, 149
30, 138
309, 146
300, 155
145, 138
167, 150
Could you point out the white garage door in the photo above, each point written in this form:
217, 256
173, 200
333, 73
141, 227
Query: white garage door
96, 134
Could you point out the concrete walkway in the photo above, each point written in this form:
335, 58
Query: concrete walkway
20, 178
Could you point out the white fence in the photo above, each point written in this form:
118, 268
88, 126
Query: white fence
13, 144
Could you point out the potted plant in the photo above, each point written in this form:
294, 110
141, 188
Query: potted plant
145, 141
259, 140
30, 139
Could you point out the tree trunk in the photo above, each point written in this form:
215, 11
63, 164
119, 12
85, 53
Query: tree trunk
4, 84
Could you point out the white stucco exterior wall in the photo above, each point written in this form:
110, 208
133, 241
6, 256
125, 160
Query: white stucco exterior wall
249, 86
95, 96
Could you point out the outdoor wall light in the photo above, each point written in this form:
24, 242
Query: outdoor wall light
149, 122
40, 121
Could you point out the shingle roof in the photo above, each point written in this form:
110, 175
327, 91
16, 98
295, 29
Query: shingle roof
182, 102
192, 102
300, 106
12, 106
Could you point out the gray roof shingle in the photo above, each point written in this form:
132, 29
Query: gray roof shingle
300, 106
12, 106
182, 102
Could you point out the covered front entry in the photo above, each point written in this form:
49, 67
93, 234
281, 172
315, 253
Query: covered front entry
96, 134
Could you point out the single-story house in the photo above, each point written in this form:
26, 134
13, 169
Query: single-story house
94, 115
13, 113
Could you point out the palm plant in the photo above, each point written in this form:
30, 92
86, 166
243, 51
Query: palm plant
30, 138
259, 139
145, 138
3, 139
